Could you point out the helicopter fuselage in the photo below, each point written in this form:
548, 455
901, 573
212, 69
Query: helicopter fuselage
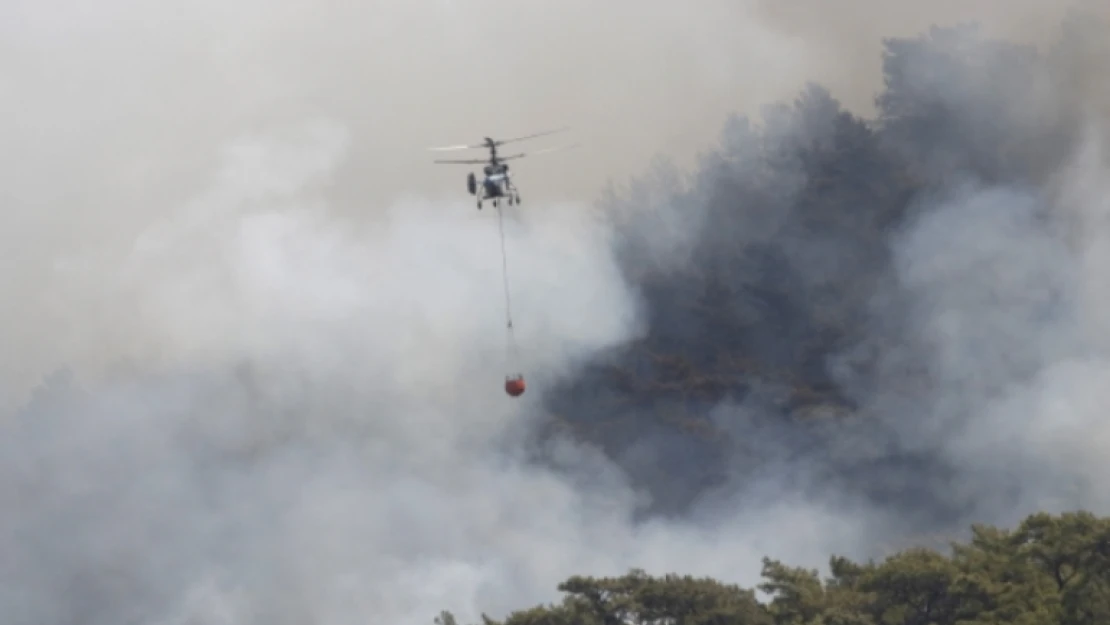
495, 184
495, 181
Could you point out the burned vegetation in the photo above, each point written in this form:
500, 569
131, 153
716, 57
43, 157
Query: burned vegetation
772, 299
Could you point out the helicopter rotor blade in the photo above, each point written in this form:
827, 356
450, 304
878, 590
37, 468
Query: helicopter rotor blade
469, 161
538, 134
476, 146
556, 148
449, 148
543, 151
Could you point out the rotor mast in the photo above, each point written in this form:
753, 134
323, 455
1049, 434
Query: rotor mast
492, 151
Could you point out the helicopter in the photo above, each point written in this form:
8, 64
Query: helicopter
496, 183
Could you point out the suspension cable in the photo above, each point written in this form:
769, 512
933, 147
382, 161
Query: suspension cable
513, 352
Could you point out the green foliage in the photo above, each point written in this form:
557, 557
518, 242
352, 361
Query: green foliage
1050, 570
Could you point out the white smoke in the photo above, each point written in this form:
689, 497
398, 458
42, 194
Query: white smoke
317, 430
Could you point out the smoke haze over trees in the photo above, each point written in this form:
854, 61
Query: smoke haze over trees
833, 335
1049, 569
915, 271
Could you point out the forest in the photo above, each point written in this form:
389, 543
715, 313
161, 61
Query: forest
1051, 569
776, 278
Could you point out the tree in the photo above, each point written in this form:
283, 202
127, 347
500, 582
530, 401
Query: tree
1050, 570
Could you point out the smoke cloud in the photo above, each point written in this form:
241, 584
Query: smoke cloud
979, 332
316, 429
285, 328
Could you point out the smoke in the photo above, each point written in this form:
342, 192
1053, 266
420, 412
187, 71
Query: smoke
317, 425
316, 430
112, 115
988, 321
997, 290
1009, 303
979, 318
286, 399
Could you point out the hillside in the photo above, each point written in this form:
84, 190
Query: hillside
778, 284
